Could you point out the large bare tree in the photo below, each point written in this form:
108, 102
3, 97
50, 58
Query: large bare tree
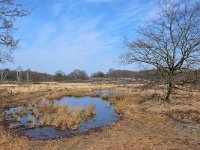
9, 12
171, 42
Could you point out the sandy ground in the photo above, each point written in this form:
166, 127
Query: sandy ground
148, 123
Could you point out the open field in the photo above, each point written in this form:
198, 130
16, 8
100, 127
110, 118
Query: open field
148, 122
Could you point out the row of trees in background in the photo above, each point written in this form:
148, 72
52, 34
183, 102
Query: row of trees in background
74, 75
25, 76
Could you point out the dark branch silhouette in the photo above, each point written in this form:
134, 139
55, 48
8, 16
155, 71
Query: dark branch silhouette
169, 43
9, 12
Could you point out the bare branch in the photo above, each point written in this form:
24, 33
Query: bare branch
169, 43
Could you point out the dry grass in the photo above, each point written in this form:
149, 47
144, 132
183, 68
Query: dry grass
89, 113
61, 117
45, 107
32, 124
66, 118
120, 100
36, 114
74, 120
145, 125
23, 111
47, 119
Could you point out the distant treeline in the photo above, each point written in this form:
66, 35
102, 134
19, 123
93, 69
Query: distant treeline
19, 75
25, 76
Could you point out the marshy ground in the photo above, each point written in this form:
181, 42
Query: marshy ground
148, 122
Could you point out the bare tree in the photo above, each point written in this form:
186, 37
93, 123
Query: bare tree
171, 42
18, 73
28, 75
9, 12
78, 75
60, 76
98, 74
4, 74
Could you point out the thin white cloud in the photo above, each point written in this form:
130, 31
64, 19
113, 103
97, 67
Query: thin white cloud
98, 1
57, 8
74, 42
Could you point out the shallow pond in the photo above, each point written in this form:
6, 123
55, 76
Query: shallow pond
25, 116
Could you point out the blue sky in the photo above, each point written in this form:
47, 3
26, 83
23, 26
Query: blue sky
78, 34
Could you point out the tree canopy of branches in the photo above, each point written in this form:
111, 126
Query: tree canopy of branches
169, 43
9, 12
98, 74
78, 74
59, 76
3, 74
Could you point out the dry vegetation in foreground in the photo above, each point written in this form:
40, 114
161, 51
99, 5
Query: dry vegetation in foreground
61, 117
148, 121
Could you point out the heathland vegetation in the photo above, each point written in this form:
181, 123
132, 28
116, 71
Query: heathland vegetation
159, 107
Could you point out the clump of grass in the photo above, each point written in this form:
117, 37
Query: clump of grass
76, 93
89, 113
66, 118
36, 114
23, 112
41, 122
32, 124
57, 95
75, 119
46, 107
119, 107
60, 117
48, 119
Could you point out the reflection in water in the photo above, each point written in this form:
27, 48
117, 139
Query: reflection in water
66, 117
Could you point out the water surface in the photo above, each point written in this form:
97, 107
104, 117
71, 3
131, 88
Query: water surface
105, 115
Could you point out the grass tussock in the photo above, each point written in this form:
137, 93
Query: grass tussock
32, 124
68, 118
23, 112
89, 113
47, 107
36, 114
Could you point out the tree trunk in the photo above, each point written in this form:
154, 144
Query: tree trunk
27, 76
169, 92
169, 88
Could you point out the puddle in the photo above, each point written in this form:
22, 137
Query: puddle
26, 120
109, 92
